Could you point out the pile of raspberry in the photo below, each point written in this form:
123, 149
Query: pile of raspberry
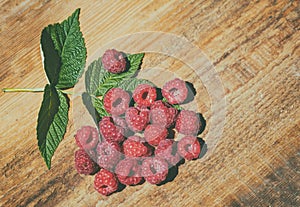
139, 141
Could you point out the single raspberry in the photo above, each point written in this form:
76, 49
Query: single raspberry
154, 170
87, 137
108, 154
137, 118
114, 61
135, 146
175, 91
189, 147
162, 113
116, 101
154, 133
105, 182
167, 149
128, 172
84, 164
187, 123
110, 131
144, 95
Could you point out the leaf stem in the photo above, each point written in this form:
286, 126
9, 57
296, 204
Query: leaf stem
67, 92
33, 90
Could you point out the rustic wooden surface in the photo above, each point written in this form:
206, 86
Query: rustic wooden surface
254, 46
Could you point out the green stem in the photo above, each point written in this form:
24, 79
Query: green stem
67, 92
34, 90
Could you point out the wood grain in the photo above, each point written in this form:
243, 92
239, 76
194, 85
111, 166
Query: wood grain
254, 46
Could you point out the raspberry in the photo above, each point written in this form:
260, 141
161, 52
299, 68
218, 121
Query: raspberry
187, 123
114, 61
155, 133
110, 131
137, 118
84, 164
128, 172
108, 154
135, 146
175, 91
154, 170
189, 147
87, 137
116, 101
163, 114
105, 182
144, 95
167, 150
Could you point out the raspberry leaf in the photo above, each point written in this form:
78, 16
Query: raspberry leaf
132, 83
52, 122
64, 52
87, 101
94, 106
52, 60
98, 104
112, 80
98, 80
94, 76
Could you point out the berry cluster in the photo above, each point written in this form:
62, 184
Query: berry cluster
135, 144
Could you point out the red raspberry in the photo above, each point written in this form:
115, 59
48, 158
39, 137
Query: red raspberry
84, 164
154, 133
105, 182
128, 172
154, 170
110, 131
87, 137
175, 91
116, 101
114, 61
187, 123
163, 114
144, 95
108, 154
135, 146
167, 150
189, 147
137, 118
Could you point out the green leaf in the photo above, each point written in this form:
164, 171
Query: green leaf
52, 122
64, 52
98, 104
98, 80
132, 83
112, 80
94, 76
88, 102
52, 61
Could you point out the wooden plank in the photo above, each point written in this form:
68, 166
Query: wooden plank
254, 46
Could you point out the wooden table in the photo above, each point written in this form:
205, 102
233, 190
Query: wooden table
254, 48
